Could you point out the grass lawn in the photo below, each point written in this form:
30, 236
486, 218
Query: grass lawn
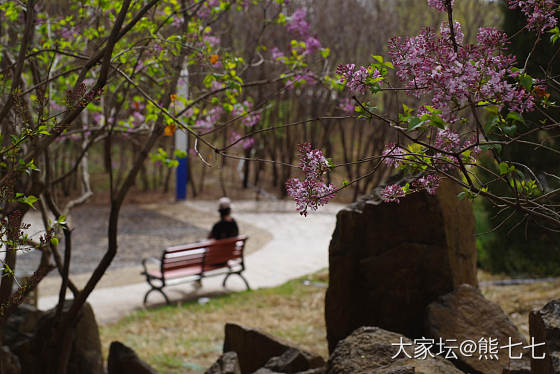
189, 337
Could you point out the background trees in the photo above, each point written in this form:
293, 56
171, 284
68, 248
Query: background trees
93, 92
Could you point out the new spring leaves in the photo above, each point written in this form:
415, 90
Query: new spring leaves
458, 86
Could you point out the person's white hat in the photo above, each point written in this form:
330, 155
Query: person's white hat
224, 203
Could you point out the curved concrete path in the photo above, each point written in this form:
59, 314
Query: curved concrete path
299, 246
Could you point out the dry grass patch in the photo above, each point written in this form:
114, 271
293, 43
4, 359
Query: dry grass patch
518, 300
174, 339
189, 337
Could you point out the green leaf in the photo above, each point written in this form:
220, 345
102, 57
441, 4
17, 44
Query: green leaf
510, 130
526, 81
432, 110
504, 168
515, 117
438, 122
414, 123
54, 241
179, 153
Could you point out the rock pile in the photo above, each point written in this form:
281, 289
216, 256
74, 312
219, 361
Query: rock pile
387, 262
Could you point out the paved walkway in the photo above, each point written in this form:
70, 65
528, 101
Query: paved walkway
299, 246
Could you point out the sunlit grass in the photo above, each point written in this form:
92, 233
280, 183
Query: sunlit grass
189, 337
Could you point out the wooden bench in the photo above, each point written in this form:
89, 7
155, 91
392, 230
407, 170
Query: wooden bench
193, 262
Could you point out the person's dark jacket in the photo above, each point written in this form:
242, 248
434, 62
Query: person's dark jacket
224, 229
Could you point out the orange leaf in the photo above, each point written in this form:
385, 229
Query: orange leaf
169, 130
214, 59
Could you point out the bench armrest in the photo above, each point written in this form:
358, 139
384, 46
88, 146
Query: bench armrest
145, 261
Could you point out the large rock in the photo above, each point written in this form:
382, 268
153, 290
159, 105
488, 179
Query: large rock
290, 362
123, 360
85, 355
9, 363
518, 367
21, 324
310, 371
373, 350
544, 326
254, 348
388, 261
228, 363
415, 366
465, 315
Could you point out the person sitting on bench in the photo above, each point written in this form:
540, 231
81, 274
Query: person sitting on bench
226, 227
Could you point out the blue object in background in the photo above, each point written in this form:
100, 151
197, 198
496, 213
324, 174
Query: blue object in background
182, 176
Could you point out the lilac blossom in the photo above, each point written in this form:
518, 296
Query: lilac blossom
392, 193
312, 191
98, 118
440, 5
276, 53
346, 105
429, 64
541, 14
216, 85
448, 140
309, 194
242, 110
211, 40
306, 77
430, 183
245, 143
356, 77
393, 155
312, 44
189, 113
211, 118
138, 118
297, 23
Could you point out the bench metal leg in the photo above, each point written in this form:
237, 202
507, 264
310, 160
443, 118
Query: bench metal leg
242, 277
160, 291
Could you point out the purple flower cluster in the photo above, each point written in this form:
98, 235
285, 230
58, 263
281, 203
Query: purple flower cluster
211, 40
393, 155
312, 44
276, 53
304, 78
211, 118
429, 182
392, 193
297, 23
541, 14
248, 120
246, 143
448, 140
440, 5
347, 105
312, 192
356, 77
429, 64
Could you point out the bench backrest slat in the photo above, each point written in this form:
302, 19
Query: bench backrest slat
223, 251
210, 254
